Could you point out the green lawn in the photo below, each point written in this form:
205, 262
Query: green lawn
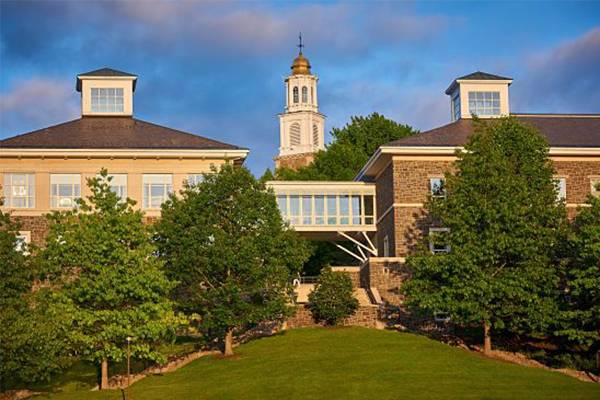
352, 363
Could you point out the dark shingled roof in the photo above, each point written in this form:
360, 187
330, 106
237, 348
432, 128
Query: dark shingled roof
476, 76
559, 130
483, 76
112, 133
108, 72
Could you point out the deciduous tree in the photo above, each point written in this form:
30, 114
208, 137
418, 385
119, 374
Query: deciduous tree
101, 259
504, 221
581, 305
333, 299
225, 242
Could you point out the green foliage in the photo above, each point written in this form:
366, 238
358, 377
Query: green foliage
33, 335
350, 149
581, 305
505, 224
225, 242
103, 265
332, 300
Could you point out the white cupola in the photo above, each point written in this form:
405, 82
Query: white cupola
481, 94
106, 92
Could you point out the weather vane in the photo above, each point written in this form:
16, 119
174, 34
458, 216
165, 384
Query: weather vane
300, 45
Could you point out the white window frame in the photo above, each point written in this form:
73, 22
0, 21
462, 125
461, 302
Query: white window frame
456, 107
154, 180
118, 184
195, 178
107, 100
27, 191
58, 180
354, 217
594, 190
431, 245
484, 107
560, 186
431, 187
386, 246
23, 241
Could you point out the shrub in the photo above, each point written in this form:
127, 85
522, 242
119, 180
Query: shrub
333, 299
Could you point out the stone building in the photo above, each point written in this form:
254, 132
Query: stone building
401, 175
46, 170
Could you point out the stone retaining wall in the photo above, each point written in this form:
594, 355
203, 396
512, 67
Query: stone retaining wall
366, 316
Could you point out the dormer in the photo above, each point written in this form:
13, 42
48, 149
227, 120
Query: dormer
481, 94
106, 92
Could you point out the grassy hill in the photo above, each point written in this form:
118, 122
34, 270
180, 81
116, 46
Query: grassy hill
351, 363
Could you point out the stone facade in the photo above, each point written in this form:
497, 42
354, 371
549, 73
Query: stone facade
366, 316
385, 275
294, 161
403, 189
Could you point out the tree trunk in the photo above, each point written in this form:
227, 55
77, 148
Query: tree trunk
104, 374
487, 338
228, 343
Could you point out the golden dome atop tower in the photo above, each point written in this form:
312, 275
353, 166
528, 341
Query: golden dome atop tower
301, 65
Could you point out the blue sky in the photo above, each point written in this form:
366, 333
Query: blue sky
217, 69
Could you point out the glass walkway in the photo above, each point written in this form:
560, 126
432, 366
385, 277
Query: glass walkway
326, 210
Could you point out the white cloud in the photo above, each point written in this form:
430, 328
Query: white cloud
36, 102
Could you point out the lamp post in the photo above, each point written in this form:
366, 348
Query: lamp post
128, 361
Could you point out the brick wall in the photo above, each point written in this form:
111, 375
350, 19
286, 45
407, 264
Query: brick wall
366, 316
577, 175
37, 225
294, 161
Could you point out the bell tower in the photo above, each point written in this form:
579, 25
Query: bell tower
301, 125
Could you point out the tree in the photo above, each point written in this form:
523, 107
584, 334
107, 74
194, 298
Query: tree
333, 299
225, 242
581, 303
33, 341
504, 224
103, 263
350, 149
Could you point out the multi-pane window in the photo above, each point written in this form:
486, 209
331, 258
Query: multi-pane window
107, 100
438, 240
295, 94
456, 106
23, 239
437, 187
595, 186
304, 94
560, 185
19, 190
64, 190
118, 184
386, 246
484, 103
194, 179
330, 209
156, 190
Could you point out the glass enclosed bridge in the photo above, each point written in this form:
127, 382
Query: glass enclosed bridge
333, 211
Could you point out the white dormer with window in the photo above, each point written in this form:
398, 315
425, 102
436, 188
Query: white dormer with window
106, 92
481, 94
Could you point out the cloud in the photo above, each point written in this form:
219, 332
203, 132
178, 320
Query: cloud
35, 103
564, 79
